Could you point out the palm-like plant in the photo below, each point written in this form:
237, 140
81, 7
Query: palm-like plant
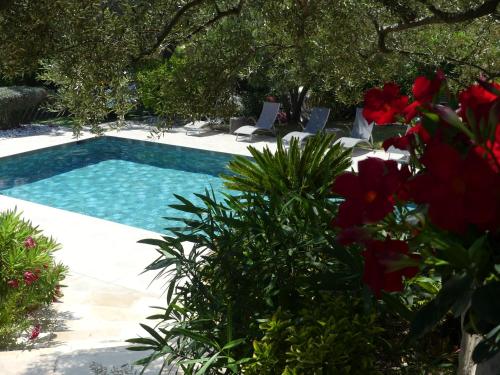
303, 172
269, 246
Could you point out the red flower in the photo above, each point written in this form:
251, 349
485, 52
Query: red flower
35, 332
479, 101
29, 243
30, 277
382, 106
424, 92
404, 142
459, 191
491, 150
380, 257
369, 195
408, 141
13, 283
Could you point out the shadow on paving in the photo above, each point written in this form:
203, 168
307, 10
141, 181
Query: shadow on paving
112, 360
51, 321
29, 131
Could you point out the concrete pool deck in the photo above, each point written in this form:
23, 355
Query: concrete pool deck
106, 297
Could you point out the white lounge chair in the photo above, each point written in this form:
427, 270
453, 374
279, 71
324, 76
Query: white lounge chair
264, 123
197, 127
361, 132
401, 156
316, 123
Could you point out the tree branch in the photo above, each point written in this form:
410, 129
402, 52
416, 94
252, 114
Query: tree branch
464, 62
438, 17
167, 28
219, 15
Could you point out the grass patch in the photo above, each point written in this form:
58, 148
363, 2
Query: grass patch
63, 121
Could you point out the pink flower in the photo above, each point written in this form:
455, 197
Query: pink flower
35, 332
29, 243
30, 277
13, 283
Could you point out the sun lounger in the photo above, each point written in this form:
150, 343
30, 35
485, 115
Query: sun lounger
316, 123
361, 132
264, 123
197, 127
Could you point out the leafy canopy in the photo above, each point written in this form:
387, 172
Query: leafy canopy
93, 50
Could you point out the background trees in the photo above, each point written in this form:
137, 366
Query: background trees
92, 51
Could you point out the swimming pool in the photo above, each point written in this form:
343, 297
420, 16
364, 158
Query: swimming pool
127, 181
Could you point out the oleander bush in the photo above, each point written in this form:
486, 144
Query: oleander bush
30, 278
19, 104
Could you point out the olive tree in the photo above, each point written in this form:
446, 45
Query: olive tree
92, 51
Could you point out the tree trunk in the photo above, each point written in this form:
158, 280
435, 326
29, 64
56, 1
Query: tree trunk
466, 365
297, 98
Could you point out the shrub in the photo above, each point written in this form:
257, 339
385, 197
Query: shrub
29, 276
251, 254
19, 104
332, 335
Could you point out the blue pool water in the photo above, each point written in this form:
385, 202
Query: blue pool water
126, 181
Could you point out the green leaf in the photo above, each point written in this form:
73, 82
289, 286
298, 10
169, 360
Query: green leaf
195, 336
233, 344
207, 364
153, 333
429, 315
478, 251
395, 304
139, 348
488, 347
152, 241
143, 340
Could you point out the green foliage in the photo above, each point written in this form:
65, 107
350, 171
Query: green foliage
331, 335
86, 48
91, 99
19, 295
307, 172
168, 90
469, 268
19, 104
250, 255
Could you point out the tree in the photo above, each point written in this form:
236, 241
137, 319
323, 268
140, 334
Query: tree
92, 50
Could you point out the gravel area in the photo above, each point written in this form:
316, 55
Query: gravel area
31, 129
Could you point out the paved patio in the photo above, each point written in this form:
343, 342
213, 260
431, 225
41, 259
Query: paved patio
106, 297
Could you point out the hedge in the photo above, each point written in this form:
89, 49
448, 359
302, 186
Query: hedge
19, 104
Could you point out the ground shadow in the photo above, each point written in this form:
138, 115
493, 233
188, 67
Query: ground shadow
51, 322
111, 360
32, 130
